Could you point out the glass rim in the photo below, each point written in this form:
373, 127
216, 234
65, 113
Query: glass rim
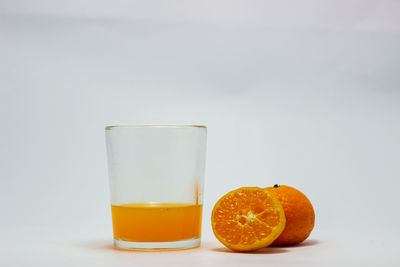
110, 127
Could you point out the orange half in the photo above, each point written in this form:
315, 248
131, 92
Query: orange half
247, 219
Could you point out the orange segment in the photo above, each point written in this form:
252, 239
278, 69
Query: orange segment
247, 219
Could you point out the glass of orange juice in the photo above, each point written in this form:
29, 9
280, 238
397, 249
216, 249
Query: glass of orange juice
156, 182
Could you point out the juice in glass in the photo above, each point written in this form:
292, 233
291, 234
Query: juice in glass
156, 185
156, 222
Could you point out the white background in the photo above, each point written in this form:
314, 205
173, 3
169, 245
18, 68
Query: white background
304, 93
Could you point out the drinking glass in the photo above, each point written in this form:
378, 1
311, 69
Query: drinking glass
156, 177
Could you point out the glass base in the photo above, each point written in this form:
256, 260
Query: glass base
157, 246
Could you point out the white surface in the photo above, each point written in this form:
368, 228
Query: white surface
83, 250
304, 93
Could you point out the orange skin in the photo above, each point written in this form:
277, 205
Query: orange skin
299, 215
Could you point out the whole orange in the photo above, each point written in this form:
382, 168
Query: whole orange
299, 215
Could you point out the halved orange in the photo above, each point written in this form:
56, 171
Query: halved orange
247, 219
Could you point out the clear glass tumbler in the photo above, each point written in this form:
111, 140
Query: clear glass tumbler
156, 182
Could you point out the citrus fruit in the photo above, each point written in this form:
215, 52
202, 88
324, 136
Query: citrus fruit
247, 219
299, 215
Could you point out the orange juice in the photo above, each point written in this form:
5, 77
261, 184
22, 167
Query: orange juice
156, 222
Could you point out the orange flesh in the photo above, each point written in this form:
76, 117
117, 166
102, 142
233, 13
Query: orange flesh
247, 216
156, 222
